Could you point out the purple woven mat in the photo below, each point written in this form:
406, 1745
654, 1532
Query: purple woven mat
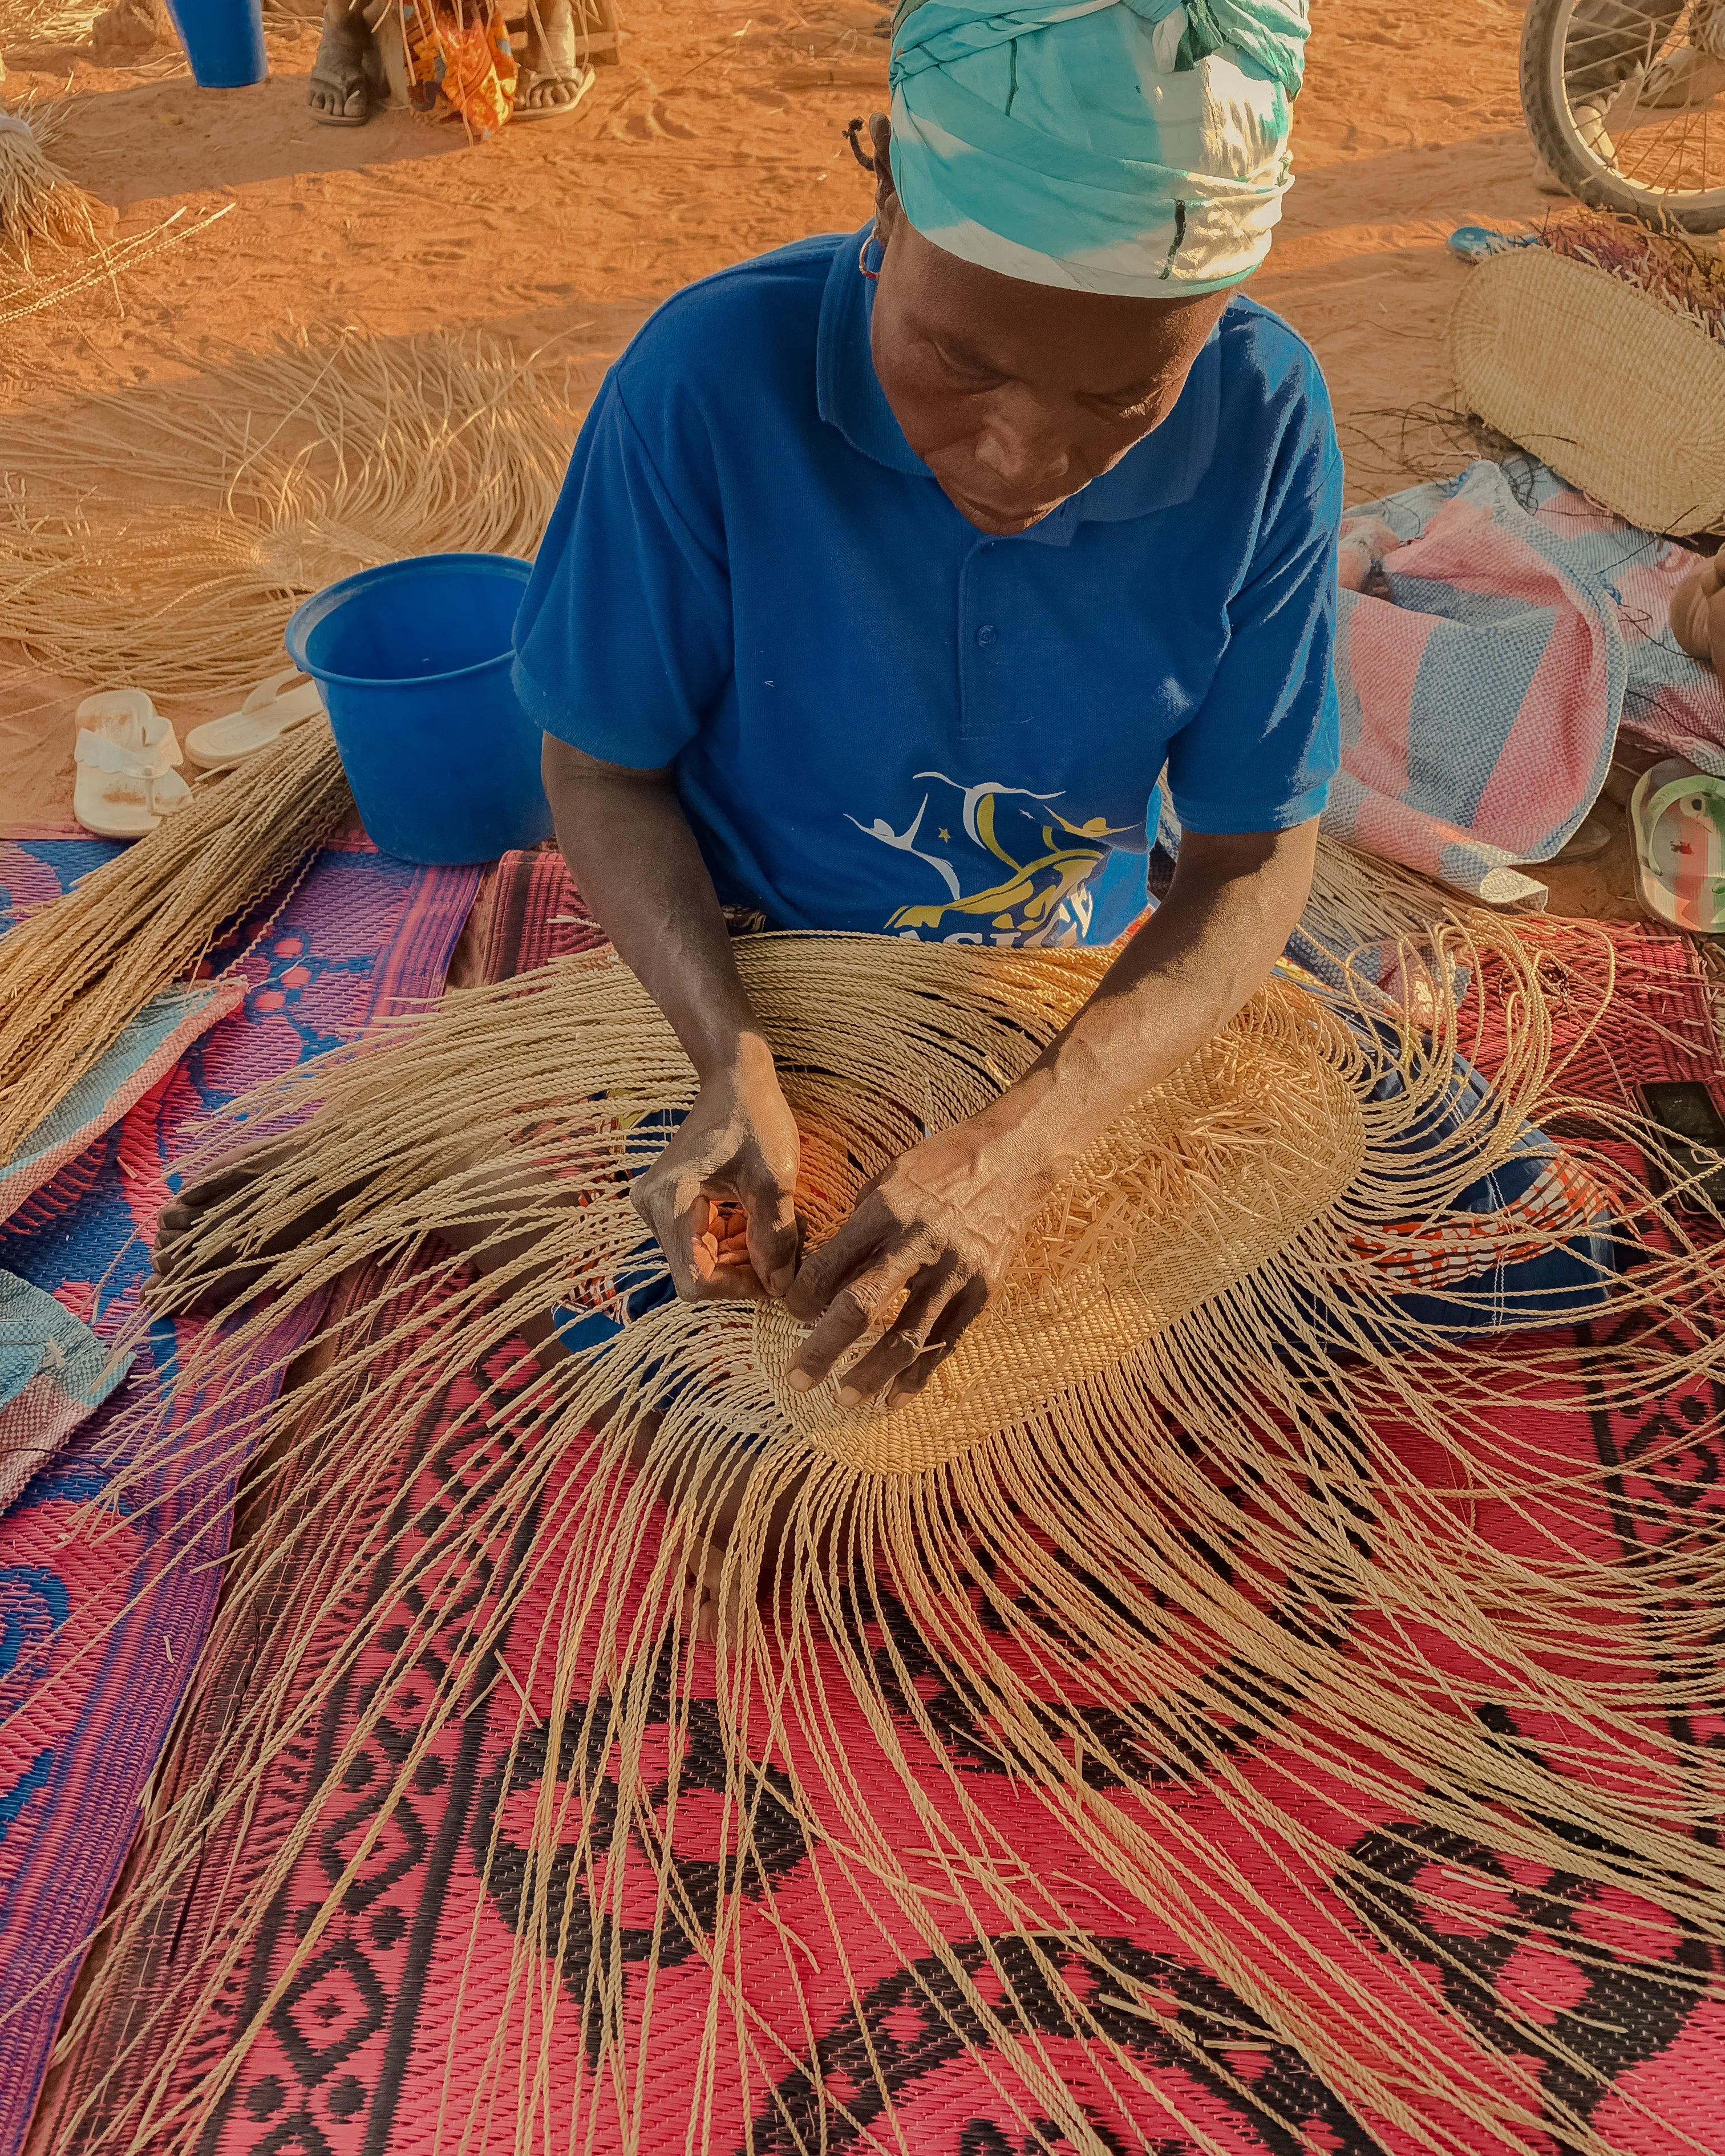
99, 1635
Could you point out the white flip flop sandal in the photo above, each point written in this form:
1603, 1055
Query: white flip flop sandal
285, 700
127, 752
1677, 818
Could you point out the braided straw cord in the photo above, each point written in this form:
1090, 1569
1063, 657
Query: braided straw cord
1618, 393
73, 975
1171, 1545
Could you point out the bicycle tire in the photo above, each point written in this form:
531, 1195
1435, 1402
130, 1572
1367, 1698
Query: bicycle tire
1546, 106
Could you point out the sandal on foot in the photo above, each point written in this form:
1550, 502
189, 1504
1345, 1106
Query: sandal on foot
126, 751
1676, 816
285, 700
1684, 77
372, 83
580, 80
563, 63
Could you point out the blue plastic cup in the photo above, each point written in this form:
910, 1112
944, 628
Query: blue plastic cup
413, 661
224, 41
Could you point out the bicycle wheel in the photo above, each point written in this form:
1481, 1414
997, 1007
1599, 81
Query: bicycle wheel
1625, 101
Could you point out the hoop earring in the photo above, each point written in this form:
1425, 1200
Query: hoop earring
862, 259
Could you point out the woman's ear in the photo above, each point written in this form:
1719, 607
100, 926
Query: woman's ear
886, 204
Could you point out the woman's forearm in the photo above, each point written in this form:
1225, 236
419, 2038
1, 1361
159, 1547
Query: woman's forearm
1209, 946
631, 851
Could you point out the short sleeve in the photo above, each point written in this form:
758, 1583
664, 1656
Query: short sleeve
1261, 751
622, 646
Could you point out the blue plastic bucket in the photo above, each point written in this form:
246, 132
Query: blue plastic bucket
224, 41
413, 661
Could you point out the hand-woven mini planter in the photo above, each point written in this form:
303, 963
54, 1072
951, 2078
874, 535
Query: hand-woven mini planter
1616, 391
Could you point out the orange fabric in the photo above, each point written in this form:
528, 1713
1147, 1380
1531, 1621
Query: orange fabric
459, 52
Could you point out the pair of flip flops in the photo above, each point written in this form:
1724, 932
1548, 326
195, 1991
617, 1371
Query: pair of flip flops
128, 754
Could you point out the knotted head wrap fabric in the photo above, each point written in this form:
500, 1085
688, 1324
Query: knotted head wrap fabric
1133, 147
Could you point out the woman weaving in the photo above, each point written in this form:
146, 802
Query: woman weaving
891, 573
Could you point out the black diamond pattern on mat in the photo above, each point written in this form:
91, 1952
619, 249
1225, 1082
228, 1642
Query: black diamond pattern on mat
1666, 1484
368, 1973
1616, 2015
328, 2011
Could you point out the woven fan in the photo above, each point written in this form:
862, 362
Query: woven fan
1618, 393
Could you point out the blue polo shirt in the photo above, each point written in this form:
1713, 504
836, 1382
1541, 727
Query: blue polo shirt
878, 717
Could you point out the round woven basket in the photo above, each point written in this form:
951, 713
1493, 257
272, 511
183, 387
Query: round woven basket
1618, 393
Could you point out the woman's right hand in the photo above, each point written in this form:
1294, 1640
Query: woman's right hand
737, 1146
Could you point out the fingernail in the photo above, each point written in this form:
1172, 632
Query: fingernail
799, 1381
780, 1283
848, 1396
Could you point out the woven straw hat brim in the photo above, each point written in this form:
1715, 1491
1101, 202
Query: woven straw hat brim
1617, 392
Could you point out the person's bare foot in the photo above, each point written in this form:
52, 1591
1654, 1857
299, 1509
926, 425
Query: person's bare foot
348, 73
554, 77
199, 1274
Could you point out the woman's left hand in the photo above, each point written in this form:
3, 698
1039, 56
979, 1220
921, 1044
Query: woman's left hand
943, 1222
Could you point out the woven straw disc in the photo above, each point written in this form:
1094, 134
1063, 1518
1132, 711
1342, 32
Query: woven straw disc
1614, 391
1207, 1178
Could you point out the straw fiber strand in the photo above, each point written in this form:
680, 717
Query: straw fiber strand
1218, 1604
1618, 393
72, 975
163, 536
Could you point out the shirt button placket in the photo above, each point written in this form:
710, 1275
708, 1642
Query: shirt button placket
979, 690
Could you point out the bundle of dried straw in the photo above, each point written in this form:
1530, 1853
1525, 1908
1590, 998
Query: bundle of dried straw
1153, 1428
40, 205
72, 976
44, 22
162, 536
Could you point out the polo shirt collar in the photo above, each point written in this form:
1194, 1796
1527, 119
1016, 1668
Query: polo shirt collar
1162, 470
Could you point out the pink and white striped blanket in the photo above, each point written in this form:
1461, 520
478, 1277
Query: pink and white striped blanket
1494, 631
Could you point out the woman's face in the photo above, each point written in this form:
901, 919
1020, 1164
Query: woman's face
1016, 395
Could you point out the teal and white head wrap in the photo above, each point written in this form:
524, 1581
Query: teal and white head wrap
1138, 147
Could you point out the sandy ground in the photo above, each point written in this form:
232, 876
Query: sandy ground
718, 133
